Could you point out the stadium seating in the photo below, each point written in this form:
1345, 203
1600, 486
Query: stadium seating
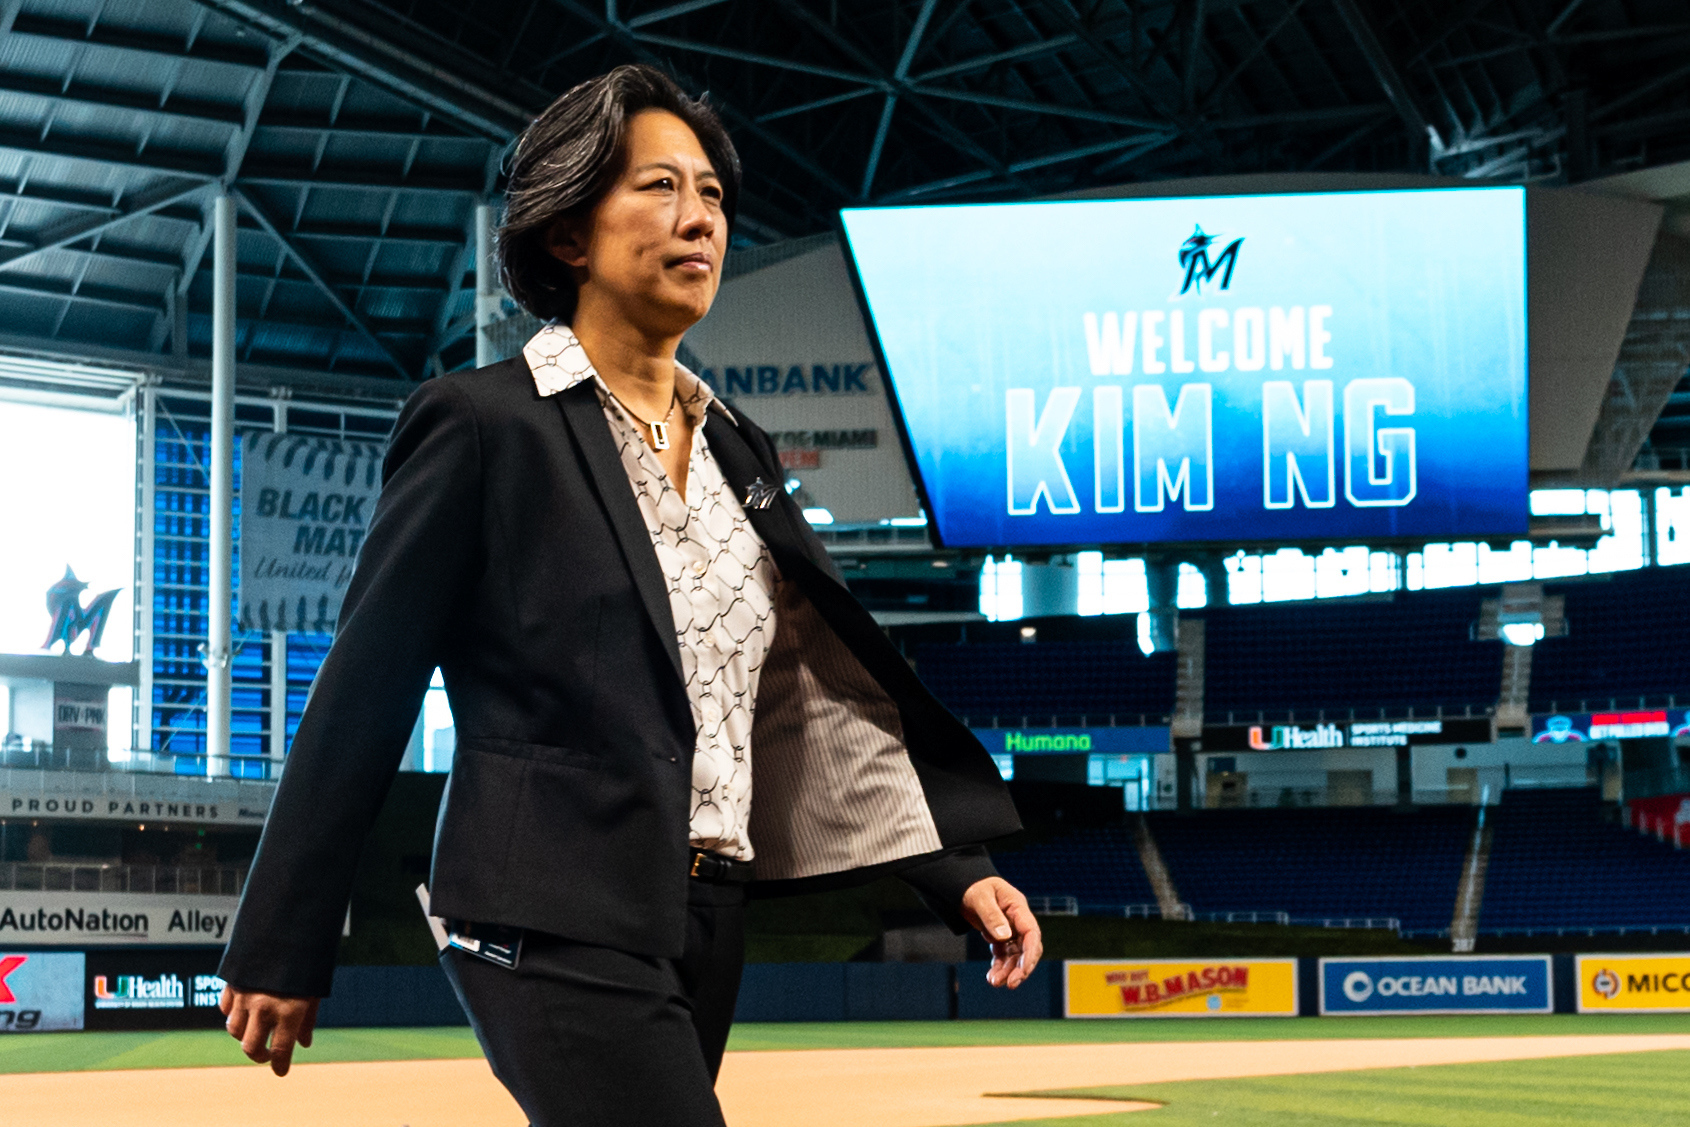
1624, 645
1311, 864
1066, 679
1556, 864
1413, 652
1315, 863
1098, 867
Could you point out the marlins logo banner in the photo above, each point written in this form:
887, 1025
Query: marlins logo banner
1181, 988
1634, 983
306, 504
1286, 367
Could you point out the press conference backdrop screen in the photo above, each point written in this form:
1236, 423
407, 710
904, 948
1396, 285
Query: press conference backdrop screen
1289, 367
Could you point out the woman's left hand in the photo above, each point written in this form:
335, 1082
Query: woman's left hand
997, 910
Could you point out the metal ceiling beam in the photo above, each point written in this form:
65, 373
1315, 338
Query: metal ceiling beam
383, 63
1064, 12
775, 61
818, 103
625, 38
1255, 52
1367, 42
1140, 144
331, 176
304, 262
109, 35
944, 127
899, 74
199, 166
1010, 55
111, 98
67, 234
672, 11
1081, 113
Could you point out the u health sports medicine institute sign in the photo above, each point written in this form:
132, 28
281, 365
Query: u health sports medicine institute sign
1277, 367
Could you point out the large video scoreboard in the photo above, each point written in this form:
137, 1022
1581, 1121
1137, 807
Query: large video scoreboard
1335, 366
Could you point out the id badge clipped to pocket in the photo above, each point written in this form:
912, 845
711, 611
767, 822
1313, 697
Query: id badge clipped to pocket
501, 946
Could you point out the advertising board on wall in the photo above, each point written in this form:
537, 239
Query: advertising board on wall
1437, 985
1359, 733
40, 991
306, 503
1180, 988
250, 807
153, 989
1274, 367
1634, 983
75, 919
1073, 741
1591, 727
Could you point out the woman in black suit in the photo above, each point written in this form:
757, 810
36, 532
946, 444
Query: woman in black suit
599, 557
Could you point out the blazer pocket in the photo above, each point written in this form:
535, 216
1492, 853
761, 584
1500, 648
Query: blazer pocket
539, 753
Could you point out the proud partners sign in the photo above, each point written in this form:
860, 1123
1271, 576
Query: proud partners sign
306, 504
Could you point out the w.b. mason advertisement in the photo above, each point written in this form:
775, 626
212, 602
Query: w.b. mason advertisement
306, 504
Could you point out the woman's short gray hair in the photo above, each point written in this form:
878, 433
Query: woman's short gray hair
566, 161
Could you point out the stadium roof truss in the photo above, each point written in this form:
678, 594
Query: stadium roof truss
357, 136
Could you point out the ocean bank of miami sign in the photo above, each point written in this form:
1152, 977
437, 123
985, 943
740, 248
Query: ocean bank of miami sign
1249, 367
1515, 984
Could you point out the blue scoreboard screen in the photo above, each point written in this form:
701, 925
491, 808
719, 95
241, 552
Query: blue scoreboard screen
1334, 366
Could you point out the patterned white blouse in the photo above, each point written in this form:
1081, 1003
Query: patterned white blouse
722, 586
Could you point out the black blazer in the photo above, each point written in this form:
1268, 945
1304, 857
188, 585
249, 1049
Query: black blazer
507, 549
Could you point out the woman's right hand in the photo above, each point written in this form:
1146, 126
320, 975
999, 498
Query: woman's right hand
268, 1026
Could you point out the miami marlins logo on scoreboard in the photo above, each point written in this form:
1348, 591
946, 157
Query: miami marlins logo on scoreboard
1194, 257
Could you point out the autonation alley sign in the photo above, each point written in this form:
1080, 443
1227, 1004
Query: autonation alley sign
75, 919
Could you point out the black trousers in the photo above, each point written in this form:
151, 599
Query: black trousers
586, 1036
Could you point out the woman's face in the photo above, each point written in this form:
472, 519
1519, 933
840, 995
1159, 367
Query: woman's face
651, 251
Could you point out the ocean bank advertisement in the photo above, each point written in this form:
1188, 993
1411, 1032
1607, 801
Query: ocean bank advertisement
40, 991
1290, 367
1514, 984
1634, 984
1180, 988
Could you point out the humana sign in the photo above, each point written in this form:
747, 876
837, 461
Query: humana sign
1045, 741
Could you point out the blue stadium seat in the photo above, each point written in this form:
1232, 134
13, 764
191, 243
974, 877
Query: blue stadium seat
1624, 645
1556, 864
1318, 863
1098, 867
1414, 652
1093, 679
1310, 863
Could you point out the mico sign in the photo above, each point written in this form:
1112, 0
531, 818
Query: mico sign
1634, 983
1436, 985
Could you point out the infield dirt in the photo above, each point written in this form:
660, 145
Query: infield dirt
923, 1087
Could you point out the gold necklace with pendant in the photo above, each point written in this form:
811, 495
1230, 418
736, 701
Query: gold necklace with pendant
660, 427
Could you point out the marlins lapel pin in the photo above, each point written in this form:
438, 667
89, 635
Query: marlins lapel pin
760, 494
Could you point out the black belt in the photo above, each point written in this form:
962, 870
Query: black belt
717, 869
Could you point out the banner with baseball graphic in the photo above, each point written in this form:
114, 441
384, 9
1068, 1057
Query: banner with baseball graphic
306, 503
1634, 984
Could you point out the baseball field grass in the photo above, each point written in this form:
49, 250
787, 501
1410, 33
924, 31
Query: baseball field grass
86, 1052
1634, 1089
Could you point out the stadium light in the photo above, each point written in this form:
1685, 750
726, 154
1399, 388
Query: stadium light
1521, 633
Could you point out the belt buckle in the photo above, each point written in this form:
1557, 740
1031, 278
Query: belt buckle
697, 860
